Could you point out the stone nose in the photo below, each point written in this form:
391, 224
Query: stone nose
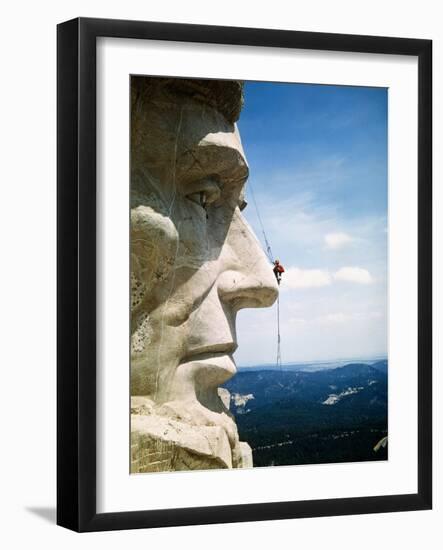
249, 281
243, 290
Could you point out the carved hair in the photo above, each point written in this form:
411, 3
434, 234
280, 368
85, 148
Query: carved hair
224, 95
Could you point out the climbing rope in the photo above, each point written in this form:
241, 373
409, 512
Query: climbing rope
268, 252
278, 362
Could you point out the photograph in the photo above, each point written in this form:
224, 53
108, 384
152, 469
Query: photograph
259, 274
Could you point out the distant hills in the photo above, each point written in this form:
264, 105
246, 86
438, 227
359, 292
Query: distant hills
312, 366
297, 416
382, 366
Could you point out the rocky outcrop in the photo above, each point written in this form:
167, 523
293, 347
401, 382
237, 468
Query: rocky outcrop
163, 439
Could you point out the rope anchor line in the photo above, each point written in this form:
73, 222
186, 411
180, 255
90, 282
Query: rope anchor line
278, 362
268, 252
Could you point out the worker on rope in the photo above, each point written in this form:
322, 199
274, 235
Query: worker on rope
278, 270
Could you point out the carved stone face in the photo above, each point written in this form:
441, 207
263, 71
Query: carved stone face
194, 260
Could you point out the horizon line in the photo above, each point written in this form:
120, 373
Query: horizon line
319, 361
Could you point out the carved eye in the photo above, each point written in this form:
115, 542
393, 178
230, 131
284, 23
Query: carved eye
200, 198
204, 193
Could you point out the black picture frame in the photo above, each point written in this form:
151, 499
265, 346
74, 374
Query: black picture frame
76, 280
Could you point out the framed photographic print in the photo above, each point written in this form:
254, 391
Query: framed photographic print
244, 274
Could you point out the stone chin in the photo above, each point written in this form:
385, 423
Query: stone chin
194, 428
191, 427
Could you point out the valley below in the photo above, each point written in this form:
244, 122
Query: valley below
300, 415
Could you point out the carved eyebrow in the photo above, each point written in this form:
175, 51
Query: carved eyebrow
220, 161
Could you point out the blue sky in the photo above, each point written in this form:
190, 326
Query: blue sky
318, 168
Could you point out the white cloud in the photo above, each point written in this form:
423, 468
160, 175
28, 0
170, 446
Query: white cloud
333, 318
341, 317
297, 321
337, 240
295, 277
353, 275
